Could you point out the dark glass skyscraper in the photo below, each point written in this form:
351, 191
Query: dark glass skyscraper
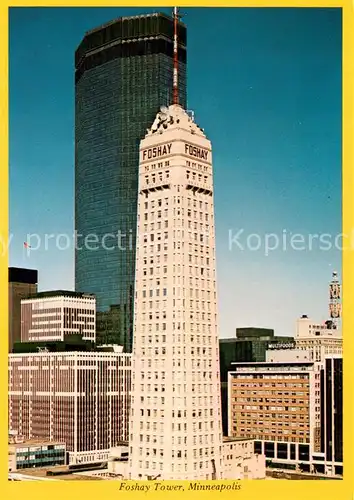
123, 76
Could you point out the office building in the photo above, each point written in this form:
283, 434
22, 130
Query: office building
30, 454
250, 344
332, 415
320, 340
276, 404
56, 315
80, 399
22, 283
292, 409
123, 75
175, 427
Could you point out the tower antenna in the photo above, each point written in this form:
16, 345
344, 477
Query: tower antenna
175, 55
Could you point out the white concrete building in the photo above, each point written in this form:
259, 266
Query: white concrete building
240, 461
319, 340
175, 427
51, 316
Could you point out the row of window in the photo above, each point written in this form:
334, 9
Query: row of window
159, 177
175, 427
278, 425
160, 164
177, 201
201, 237
258, 420
160, 400
197, 327
194, 177
174, 467
176, 291
274, 408
193, 271
201, 452
192, 292
198, 363
151, 438
176, 255
177, 222
278, 385
195, 282
177, 350
193, 304
257, 399
198, 339
271, 416
150, 228
205, 168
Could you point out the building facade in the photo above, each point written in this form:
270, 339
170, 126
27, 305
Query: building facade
332, 414
278, 405
78, 398
175, 426
22, 283
293, 409
250, 344
320, 340
36, 454
123, 75
240, 460
56, 315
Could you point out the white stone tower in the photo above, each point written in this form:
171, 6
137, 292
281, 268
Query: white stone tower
175, 425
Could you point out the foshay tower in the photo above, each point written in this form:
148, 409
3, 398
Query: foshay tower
175, 425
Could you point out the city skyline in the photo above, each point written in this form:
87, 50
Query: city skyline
304, 134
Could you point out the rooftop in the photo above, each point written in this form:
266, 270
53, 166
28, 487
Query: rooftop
61, 293
66, 354
127, 18
174, 117
42, 472
35, 442
260, 364
227, 439
21, 275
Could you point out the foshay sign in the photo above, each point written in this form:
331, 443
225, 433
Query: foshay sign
157, 151
196, 152
165, 149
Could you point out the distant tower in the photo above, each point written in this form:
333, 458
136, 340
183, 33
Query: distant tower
124, 73
335, 300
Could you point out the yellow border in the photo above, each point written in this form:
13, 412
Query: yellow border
252, 489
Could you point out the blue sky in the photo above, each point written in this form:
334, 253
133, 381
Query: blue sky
266, 86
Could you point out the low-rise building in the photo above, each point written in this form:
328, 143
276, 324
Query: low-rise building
78, 398
240, 460
22, 283
292, 408
34, 453
55, 315
276, 404
250, 344
320, 340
